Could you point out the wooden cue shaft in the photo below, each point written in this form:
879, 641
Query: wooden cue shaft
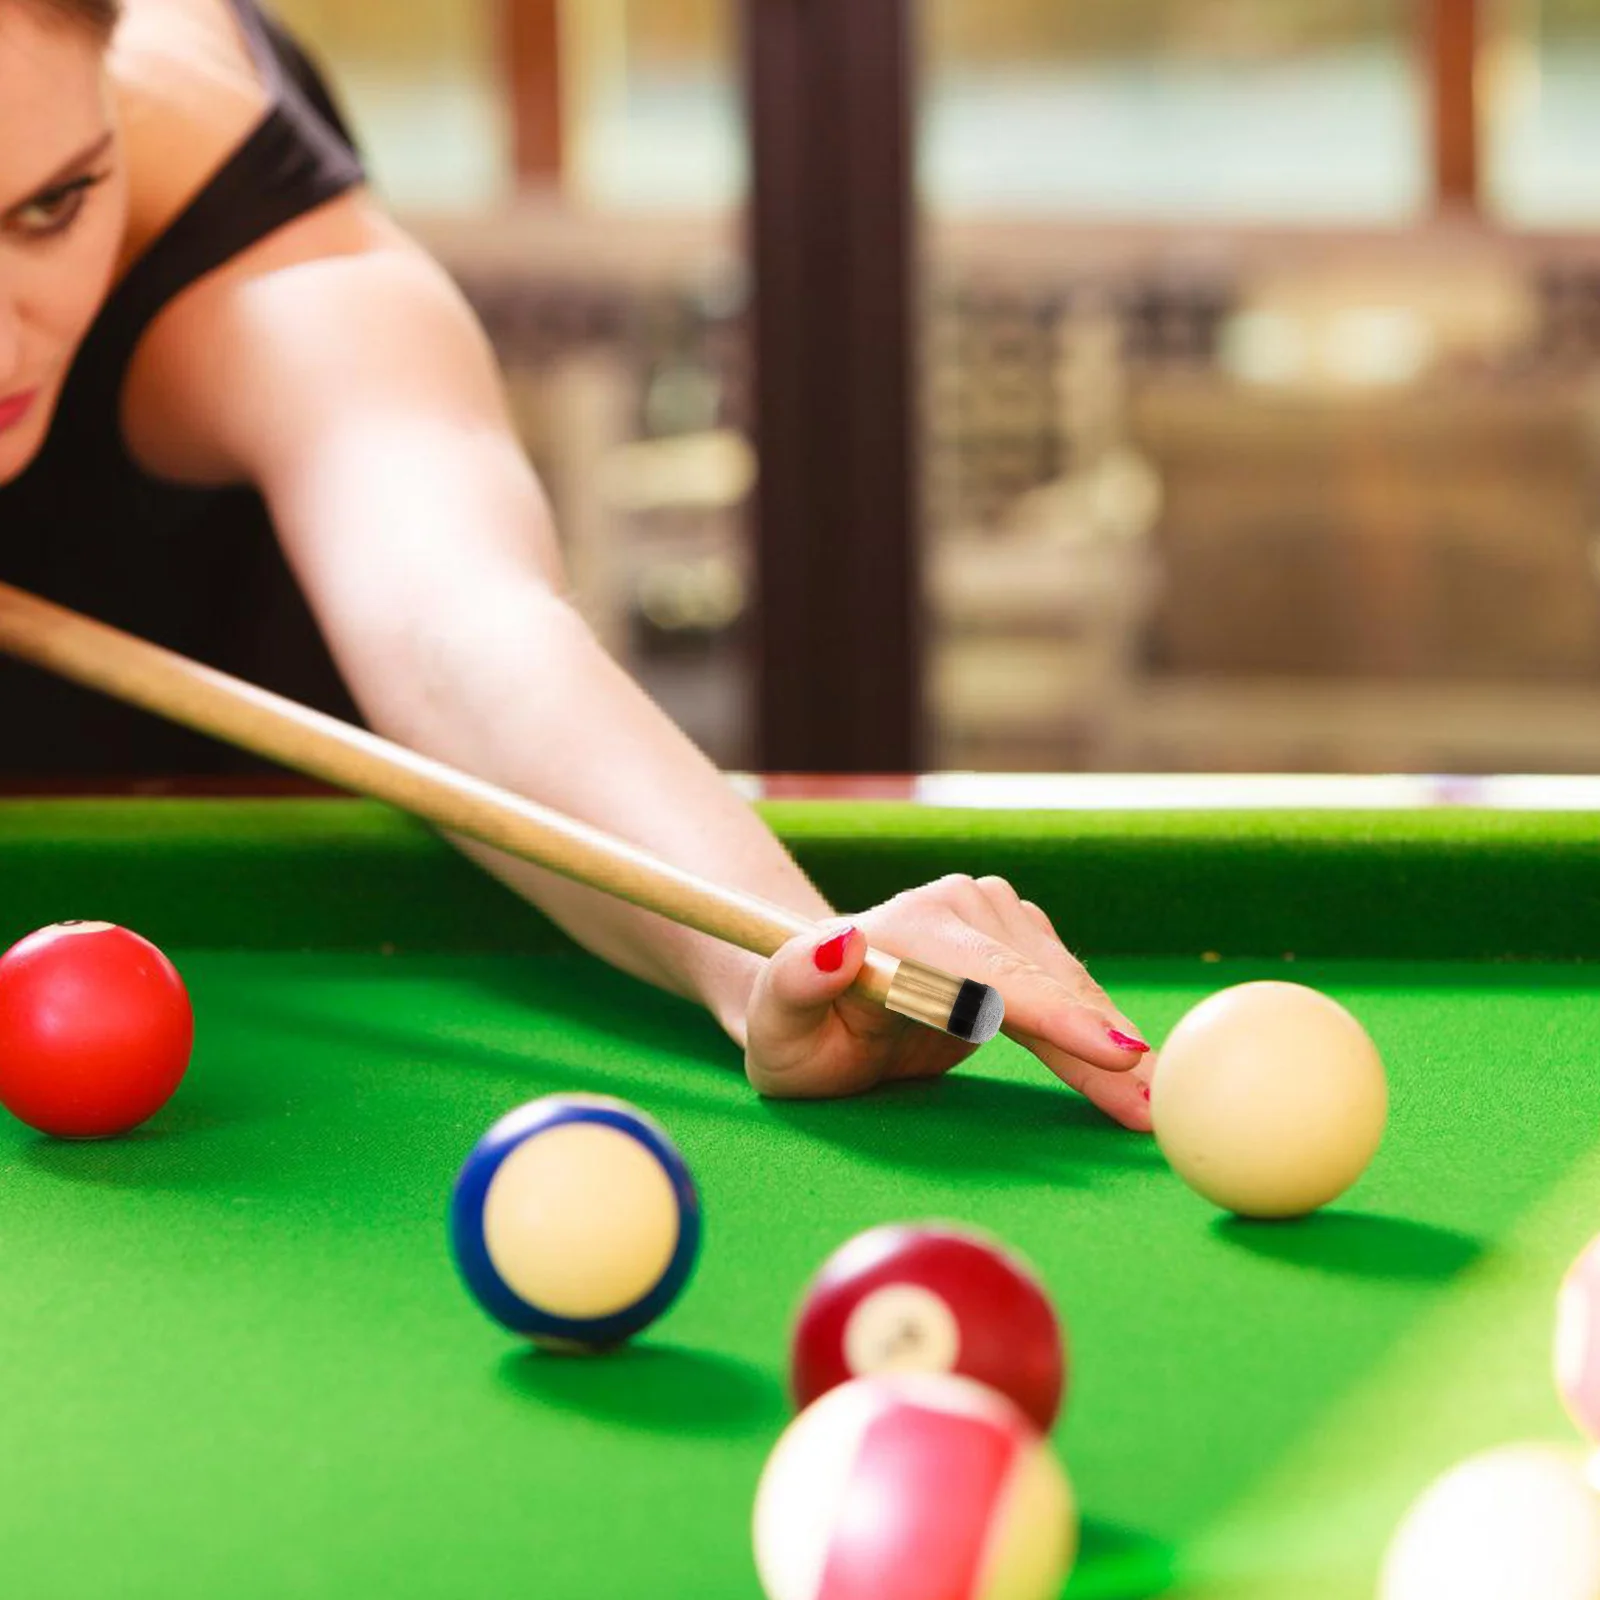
238, 713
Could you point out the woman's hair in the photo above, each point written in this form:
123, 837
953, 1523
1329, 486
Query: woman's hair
98, 15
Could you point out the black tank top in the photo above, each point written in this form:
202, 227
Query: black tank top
198, 570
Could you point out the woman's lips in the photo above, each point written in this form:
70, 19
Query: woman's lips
15, 407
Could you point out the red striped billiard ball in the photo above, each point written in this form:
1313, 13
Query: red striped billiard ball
919, 1486
95, 1030
930, 1298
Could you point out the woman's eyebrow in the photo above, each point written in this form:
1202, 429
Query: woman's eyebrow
73, 167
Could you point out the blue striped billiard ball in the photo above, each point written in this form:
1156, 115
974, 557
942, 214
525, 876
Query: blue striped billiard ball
575, 1222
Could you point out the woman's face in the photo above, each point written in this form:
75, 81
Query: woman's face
63, 208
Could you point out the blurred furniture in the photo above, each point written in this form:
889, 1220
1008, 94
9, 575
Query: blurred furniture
1256, 501
1039, 574
1436, 533
1378, 538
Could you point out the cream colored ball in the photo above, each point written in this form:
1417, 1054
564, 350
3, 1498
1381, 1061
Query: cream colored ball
581, 1220
1520, 1522
1269, 1099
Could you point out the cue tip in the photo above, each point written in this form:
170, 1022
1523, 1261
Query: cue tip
982, 1002
961, 1007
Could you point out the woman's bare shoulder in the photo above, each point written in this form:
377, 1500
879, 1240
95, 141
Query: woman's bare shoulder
187, 95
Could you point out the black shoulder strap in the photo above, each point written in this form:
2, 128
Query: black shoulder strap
298, 156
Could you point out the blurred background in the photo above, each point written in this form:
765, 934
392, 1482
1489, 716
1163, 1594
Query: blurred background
1257, 353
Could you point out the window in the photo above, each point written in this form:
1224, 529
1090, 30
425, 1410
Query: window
1539, 83
1234, 110
653, 118
421, 84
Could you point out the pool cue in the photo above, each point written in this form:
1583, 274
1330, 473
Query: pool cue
172, 686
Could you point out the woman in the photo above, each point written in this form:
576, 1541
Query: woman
206, 322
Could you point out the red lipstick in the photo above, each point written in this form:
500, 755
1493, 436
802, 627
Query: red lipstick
15, 407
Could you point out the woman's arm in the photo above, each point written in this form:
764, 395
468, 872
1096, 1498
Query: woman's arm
356, 390
359, 393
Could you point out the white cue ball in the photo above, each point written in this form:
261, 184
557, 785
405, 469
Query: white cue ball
1269, 1099
1520, 1522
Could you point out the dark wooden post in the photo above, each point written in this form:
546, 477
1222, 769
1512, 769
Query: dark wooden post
530, 35
1453, 32
829, 87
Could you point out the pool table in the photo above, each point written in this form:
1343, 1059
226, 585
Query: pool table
235, 1359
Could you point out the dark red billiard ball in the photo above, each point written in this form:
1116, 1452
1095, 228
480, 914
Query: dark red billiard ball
927, 1298
95, 1030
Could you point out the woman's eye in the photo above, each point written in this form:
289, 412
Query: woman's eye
54, 211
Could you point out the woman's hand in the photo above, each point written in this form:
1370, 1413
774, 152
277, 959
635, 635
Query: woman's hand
808, 1038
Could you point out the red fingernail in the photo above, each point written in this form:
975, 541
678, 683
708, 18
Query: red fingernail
829, 956
1144, 1089
1126, 1041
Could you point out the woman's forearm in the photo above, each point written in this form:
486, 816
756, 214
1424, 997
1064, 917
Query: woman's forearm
418, 532
529, 700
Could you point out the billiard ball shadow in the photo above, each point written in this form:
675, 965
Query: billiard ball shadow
966, 1123
172, 1151
1120, 1563
655, 1388
1357, 1244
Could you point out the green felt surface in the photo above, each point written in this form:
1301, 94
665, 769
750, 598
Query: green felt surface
234, 1357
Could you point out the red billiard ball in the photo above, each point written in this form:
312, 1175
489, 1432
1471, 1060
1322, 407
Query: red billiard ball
912, 1487
929, 1298
95, 1030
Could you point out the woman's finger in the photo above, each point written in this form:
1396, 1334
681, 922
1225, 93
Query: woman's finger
1035, 936
799, 1044
1041, 1008
1122, 1095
